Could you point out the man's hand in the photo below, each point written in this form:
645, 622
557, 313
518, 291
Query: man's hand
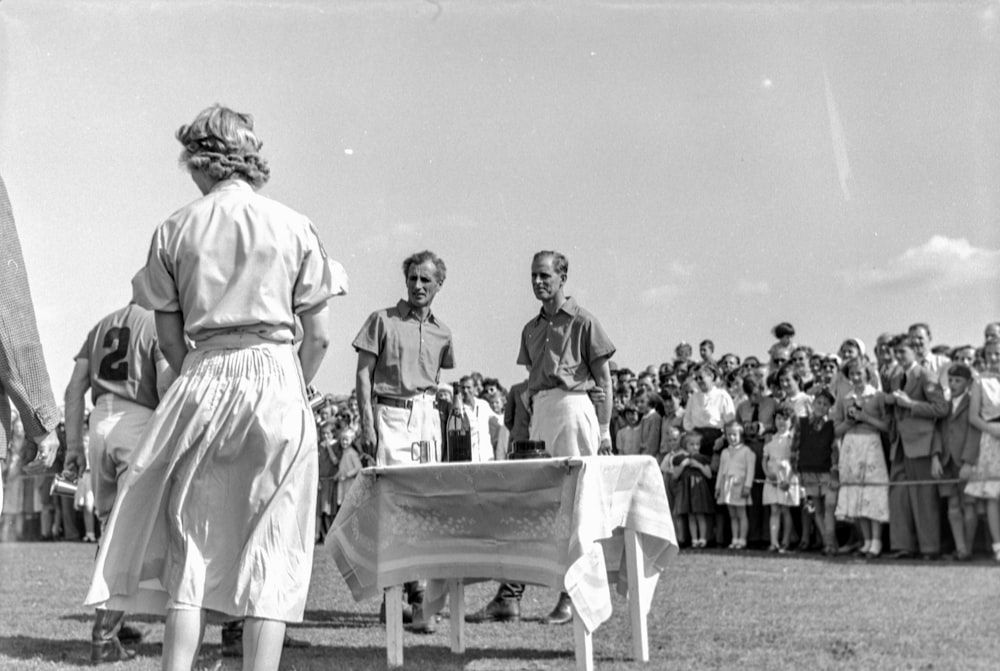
936, 469
596, 394
368, 440
903, 399
965, 472
75, 462
48, 446
605, 447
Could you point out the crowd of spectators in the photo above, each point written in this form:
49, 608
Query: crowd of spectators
694, 414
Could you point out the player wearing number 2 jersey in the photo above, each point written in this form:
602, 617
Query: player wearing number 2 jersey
121, 363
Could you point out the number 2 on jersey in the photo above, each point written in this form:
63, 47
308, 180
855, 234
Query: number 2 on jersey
114, 366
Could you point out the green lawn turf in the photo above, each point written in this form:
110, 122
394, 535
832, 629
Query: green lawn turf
712, 610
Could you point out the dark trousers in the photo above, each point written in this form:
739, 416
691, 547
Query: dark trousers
758, 517
914, 510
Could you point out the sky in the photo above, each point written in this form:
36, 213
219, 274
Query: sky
710, 169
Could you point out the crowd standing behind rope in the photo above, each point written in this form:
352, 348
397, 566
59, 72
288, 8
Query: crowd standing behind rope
842, 495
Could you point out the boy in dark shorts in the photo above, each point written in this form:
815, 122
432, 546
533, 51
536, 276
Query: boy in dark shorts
815, 453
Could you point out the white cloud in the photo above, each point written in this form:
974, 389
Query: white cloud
661, 294
750, 288
941, 261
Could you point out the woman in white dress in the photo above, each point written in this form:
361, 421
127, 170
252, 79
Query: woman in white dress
859, 418
984, 414
216, 516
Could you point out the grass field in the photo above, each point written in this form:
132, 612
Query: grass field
712, 610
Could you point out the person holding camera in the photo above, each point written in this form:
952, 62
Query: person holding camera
859, 418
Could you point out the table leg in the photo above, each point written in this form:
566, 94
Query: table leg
394, 625
637, 614
456, 603
584, 644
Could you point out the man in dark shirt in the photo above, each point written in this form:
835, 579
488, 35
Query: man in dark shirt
567, 354
121, 364
401, 352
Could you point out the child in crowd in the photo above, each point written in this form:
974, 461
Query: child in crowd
790, 383
670, 445
628, 435
781, 488
815, 455
735, 479
349, 466
692, 471
957, 444
328, 461
651, 411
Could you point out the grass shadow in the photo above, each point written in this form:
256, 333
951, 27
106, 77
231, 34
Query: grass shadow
129, 617
424, 657
70, 652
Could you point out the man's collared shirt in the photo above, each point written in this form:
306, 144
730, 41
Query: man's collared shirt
561, 349
409, 353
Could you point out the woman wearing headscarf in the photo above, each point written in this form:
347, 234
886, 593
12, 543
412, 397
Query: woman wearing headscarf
216, 517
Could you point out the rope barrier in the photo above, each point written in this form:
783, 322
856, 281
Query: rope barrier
903, 483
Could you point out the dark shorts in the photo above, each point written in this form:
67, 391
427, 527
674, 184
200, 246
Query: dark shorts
949, 489
819, 485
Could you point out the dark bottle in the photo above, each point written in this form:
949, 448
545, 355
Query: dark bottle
459, 440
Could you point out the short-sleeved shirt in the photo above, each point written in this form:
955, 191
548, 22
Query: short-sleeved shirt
234, 261
122, 352
562, 349
409, 353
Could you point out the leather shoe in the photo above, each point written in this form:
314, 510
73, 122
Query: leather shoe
903, 554
562, 613
930, 556
130, 634
497, 610
110, 650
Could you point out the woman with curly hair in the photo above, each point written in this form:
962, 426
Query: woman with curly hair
215, 519
859, 418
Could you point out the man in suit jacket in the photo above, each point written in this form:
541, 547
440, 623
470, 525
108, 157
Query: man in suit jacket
918, 401
956, 444
24, 379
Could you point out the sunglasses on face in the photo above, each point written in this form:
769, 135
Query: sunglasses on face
751, 364
780, 361
829, 366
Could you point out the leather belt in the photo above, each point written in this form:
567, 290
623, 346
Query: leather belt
394, 402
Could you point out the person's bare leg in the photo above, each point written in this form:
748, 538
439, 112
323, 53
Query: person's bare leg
262, 641
182, 638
